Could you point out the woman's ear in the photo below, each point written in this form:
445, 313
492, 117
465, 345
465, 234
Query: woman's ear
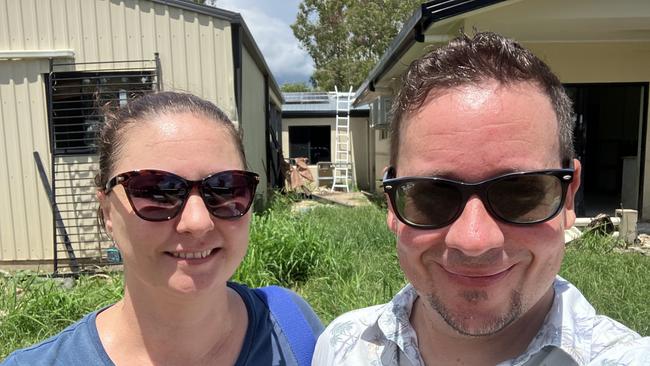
104, 212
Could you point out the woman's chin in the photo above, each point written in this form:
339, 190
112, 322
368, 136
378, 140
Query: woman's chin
187, 285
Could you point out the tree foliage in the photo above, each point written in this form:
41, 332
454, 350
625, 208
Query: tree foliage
346, 38
295, 87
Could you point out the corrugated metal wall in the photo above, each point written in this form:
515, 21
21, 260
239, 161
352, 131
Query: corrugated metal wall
195, 49
195, 53
253, 118
25, 218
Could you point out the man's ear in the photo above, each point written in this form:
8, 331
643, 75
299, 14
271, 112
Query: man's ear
105, 212
569, 205
391, 219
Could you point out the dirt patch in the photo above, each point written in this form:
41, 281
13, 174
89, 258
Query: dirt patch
350, 199
305, 205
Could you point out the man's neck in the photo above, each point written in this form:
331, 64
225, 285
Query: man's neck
439, 344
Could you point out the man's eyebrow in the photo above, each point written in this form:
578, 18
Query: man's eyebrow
460, 177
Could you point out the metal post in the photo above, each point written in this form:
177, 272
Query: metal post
158, 72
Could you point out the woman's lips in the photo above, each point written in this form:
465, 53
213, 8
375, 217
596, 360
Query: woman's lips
477, 278
193, 257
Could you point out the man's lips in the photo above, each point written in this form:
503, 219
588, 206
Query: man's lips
476, 277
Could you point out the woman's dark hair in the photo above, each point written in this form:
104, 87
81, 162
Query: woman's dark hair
147, 108
472, 60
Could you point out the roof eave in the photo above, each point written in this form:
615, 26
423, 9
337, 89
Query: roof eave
413, 31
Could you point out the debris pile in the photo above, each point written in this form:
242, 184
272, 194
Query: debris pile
641, 245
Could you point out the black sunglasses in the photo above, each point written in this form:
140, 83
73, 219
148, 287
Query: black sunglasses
516, 198
157, 195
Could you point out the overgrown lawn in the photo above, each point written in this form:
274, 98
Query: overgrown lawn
338, 258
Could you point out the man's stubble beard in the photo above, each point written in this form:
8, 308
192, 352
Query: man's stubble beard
490, 326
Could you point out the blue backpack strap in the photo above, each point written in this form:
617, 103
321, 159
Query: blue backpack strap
292, 321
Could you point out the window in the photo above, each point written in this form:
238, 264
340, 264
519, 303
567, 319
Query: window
77, 101
312, 142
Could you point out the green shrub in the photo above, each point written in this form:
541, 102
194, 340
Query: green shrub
596, 242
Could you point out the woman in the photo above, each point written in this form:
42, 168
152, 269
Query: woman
174, 197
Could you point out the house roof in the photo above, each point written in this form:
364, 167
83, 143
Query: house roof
316, 104
528, 21
234, 18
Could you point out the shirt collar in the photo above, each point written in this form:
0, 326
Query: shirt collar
568, 324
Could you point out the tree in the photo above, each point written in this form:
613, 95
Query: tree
346, 38
295, 87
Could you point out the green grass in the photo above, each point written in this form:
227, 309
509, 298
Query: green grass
33, 308
617, 285
338, 258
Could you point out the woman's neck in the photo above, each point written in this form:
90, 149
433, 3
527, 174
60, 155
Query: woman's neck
157, 328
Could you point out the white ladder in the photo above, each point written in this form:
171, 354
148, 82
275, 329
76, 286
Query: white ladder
342, 166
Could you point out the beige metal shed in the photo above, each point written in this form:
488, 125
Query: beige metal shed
60, 59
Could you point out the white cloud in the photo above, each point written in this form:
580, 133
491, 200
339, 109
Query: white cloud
275, 39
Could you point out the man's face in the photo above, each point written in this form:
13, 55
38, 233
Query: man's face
479, 274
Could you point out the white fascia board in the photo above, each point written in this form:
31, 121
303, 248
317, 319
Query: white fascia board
35, 54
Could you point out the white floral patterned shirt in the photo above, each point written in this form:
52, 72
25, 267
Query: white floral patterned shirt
572, 334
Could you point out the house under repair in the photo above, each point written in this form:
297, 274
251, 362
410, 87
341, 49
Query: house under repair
599, 49
312, 130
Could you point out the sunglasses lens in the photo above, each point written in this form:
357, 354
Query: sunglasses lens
526, 198
230, 194
428, 203
156, 197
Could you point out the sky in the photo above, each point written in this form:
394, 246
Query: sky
269, 22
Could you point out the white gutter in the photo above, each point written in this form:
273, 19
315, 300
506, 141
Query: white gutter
35, 54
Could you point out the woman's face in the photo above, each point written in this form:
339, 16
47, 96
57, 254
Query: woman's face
192, 147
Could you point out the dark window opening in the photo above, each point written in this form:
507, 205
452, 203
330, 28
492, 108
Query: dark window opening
312, 142
77, 99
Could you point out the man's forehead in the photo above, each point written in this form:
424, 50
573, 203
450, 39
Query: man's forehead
476, 94
492, 126
486, 97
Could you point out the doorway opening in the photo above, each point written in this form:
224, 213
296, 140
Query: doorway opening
609, 140
312, 142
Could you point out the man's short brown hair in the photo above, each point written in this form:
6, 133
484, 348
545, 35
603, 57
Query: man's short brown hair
472, 60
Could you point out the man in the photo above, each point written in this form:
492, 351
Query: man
481, 188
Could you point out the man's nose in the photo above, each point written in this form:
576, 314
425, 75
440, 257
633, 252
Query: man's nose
195, 219
475, 231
